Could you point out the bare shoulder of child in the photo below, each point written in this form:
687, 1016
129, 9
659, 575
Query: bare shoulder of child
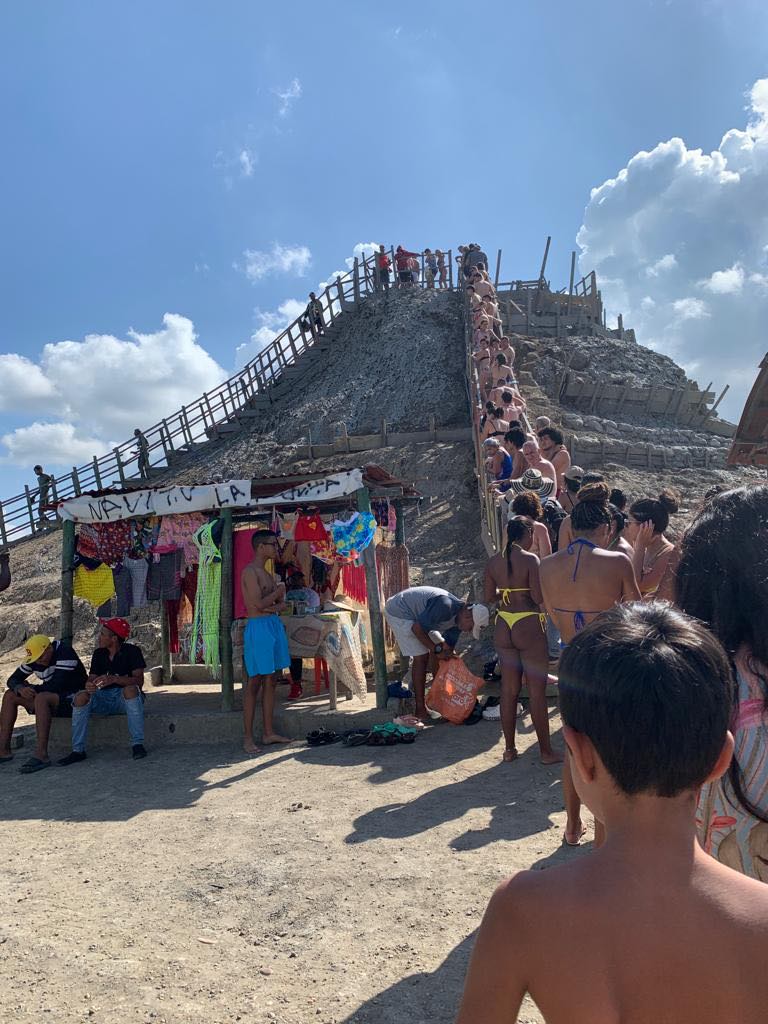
648, 927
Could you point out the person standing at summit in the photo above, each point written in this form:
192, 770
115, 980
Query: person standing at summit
403, 266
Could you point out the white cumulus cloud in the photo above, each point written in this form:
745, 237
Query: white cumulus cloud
726, 282
667, 262
103, 387
689, 231
280, 259
269, 323
23, 384
288, 96
53, 444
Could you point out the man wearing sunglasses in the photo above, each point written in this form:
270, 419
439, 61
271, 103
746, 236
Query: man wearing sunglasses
265, 644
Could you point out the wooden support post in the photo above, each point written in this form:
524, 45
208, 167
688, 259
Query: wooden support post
120, 467
225, 613
713, 410
498, 270
96, 473
340, 290
168, 440
374, 609
399, 522
186, 432
30, 507
3, 533
166, 661
544, 261
621, 327
76, 481
570, 282
67, 581
356, 280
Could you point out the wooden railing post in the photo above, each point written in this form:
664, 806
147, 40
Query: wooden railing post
67, 580
498, 269
356, 280
3, 533
340, 290
96, 473
76, 481
30, 507
120, 469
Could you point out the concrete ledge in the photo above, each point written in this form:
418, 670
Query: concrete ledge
193, 714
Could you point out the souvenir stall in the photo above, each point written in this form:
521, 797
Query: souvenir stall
340, 533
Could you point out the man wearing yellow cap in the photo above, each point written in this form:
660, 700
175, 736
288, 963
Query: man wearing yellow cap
62, 674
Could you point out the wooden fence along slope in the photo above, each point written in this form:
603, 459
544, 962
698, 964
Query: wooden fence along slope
209, 415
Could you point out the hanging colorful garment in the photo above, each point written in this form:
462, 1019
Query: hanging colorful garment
164, 579
325, 550
171, 610
142, 536
123, 591
287, 525
137, 569
94, 585
310, 528
353, 536
178, 532
205, 627
353, 583
108, 541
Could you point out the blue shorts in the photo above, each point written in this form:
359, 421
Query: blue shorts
265, 646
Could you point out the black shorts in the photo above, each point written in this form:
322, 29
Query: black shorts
63, 709
405, 275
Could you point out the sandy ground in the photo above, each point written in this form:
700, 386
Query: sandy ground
330, 885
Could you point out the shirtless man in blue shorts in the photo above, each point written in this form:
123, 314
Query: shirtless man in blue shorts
265, 644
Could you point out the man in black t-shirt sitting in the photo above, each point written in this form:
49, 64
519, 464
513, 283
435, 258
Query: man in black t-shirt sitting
62, 674
114, 687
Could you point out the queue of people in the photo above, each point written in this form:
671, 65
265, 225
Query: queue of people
663, 692
576, 548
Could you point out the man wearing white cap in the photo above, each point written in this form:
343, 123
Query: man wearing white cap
417, 612
62, 674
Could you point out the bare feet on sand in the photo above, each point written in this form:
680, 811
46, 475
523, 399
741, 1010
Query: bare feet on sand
273, 737
509, 755
552, 757
250, 747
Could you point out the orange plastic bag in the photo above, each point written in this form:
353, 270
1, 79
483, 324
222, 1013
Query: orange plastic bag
454, 690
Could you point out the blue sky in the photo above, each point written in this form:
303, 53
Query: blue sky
148, 146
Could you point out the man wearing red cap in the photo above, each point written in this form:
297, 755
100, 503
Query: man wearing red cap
114, 687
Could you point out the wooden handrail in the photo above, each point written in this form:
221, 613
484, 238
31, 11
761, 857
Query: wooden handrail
198, 420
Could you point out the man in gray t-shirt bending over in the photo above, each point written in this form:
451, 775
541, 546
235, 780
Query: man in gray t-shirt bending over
414, 613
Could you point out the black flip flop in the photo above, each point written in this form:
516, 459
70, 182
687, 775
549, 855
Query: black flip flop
475, 715
355, 737
6, 760
321, 737
34, 764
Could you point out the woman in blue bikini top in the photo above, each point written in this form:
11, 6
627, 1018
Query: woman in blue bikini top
584, 579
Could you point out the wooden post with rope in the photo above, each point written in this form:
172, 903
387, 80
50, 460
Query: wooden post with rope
225, 613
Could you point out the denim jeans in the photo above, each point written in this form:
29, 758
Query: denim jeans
108, 702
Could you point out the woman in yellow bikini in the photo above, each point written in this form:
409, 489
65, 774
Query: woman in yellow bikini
512, 580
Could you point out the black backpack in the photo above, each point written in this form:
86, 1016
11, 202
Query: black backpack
554, 514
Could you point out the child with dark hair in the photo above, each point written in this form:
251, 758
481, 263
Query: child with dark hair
649, 928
